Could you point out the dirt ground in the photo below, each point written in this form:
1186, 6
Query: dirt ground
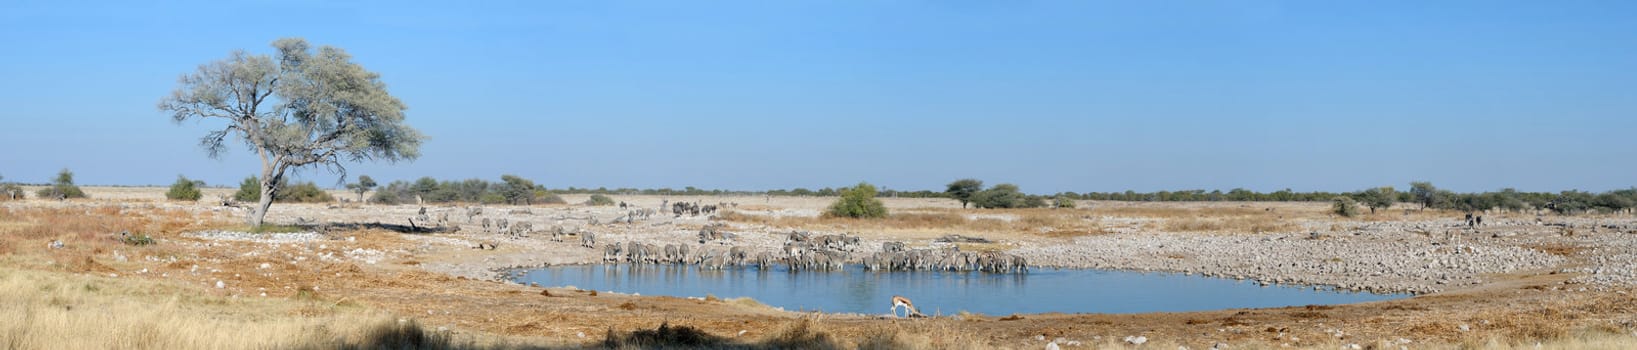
442, 282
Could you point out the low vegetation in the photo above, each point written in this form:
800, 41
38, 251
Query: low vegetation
599, 200
62, 187
511, 190
1344, 206
10, 191
305, 192
857, 202
184, 189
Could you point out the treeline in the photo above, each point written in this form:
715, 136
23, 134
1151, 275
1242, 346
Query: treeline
511, 189
1423, 194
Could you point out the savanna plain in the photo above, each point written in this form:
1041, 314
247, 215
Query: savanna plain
128, 269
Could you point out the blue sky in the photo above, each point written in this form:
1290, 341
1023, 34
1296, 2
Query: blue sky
1050, 95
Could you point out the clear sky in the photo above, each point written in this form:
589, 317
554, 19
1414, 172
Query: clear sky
1050, 95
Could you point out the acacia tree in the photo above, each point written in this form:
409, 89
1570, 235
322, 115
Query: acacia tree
963, 190
364, 184
297, 109
1378, 198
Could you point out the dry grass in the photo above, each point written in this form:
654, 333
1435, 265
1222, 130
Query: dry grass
45, 310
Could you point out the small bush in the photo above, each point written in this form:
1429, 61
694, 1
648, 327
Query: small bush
599, 200
249, 190
307, 192
1000, 196
544, 197
1063, 202
385, 197
1344, 206
184, 190
62, 187
666, 336
858, 202
1034, 202
138, 239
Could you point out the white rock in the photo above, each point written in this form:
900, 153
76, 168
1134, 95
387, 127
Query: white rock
1136, 340
220, 284
1051, 346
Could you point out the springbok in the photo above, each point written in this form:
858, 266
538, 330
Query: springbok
901, 301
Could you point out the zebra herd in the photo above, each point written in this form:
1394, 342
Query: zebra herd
801, 251
804, 252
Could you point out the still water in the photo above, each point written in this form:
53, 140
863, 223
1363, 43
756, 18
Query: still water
859, 291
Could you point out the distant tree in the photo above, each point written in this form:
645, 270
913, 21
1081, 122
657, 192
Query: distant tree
1343, 206
426, 187
364, 184
999, 196
963, 189
857, 202
1378, 198
1424, 193
306, 109
184, 189
62, 187
517, 190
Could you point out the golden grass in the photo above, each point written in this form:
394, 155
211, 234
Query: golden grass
51, 310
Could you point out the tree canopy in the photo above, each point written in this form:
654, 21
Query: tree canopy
963, 189
296, 109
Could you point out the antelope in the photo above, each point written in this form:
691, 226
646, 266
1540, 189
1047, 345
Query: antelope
909, 307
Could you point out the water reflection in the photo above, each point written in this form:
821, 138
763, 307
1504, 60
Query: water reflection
855, 290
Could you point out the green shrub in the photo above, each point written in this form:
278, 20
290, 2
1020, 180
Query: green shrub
546, 197
1034, 202
857, 202
184, 190
1063, 202
599, 200
1000, 196
1344, 206
62, 187
249, 190
307, 192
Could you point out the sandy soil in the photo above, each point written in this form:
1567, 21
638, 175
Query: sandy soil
1548, 279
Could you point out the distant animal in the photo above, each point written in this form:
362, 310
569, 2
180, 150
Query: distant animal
909, 306
892, 247
611, 252
588, 239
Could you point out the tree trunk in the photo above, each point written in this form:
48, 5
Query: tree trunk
258, 213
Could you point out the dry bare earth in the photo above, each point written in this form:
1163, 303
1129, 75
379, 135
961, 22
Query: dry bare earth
1513, 283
